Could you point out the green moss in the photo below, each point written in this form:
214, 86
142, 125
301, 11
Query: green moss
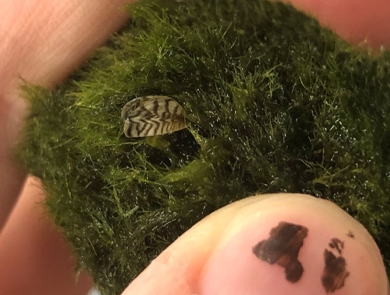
277, 103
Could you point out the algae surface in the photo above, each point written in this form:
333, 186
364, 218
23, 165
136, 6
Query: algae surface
278, 104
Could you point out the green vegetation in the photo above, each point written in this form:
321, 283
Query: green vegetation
278, 104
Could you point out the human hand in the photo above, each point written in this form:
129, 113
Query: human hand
42, 41
45, 42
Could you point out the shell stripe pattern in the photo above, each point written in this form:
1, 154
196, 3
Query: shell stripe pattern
152, 115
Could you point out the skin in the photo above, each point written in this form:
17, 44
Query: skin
43, 41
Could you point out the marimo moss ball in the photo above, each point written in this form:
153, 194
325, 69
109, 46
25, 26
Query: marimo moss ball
273, 103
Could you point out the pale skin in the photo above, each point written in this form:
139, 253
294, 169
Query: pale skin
43, 41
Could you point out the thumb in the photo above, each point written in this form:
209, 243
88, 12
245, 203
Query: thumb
269, 244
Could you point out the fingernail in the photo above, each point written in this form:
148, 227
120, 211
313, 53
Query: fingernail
290, 253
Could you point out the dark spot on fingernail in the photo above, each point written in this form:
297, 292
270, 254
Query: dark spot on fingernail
337, 244
282, 248
294, 271
351, 235
335, 272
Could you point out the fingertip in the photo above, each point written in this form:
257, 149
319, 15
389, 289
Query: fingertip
278, 244
294, 244
34, 256
358, 21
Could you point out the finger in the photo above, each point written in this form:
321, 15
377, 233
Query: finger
46, 40
355, 21
255, 246
42, 42
33, 256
